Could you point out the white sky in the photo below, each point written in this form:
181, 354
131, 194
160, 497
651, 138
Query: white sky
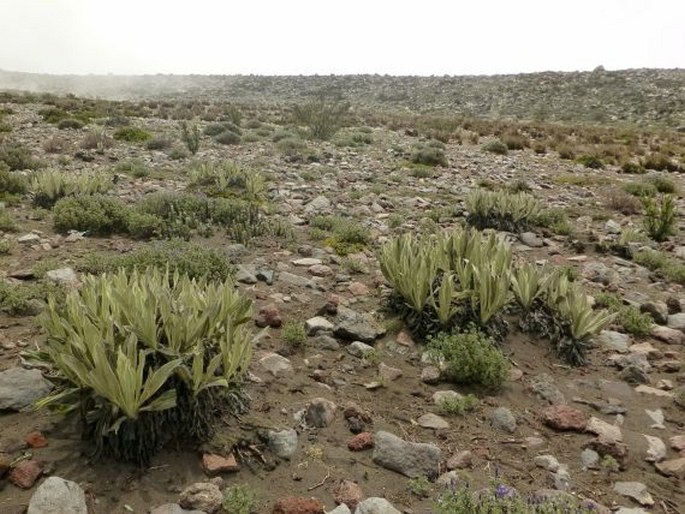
399, 37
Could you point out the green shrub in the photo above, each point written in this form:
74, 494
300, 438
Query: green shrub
659, 162
239, 499
671, 269
215, 129
635, 322
228, 138
429, 156
7, 221
135, 168
23, 299
496, 147
639, 189
96, 139
471, 358
70, 123
514, 141
293, 334
18, 157
190, 135
95, 214
228, 180
141, 225
132, 135
663, 184
179, 351
321, 117
53, 114
660, 217
159, 143
420, 486
632, 168
590, 161
458, 406
344, 235
179, 256
12, 183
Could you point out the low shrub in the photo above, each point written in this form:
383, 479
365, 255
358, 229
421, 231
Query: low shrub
159, 143
429, 156
70, 123
293, 334
470, 358
131, 134
458, 405
239, 499
17, 157
660, 217
228, 137
632, 168
95, 214
590, 161
12, 183
501, 210
179, 256
173, 365
503, 499
322, 118
190, 135
496, 147
639, 189
670, 269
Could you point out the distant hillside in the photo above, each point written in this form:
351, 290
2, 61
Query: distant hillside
645, 96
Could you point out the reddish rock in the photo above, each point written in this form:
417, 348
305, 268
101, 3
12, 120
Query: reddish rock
214, 464
360, 442
349, 493
678, 442
358, 289
616, 449
294, 505
460, 460
332, 304
404, 338
4, 464
482, 451
36, 440
354, 411
25, 474
269, 316
672, 468
564, 417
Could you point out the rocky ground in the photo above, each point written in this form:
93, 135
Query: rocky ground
351, 417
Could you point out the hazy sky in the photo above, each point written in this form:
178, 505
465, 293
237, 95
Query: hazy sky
339, 36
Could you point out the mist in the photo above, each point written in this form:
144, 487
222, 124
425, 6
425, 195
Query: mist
268, 37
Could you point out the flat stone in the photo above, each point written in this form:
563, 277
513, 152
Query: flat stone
430, 375
307, 261
589, 459
672, 468
503, 419
656, 452
320, 412
460, 460
410, 459
283, 443
543, 386
320, 270
296, 280
62, 276
376, 506
531, 239
668, 335
359, 349
245, 275
564, 417
677, 442
657, 416
295, 505
604, 430
358, 328
548, 462
348, 493
20, 388
174, 508
430, 420
644, 389
340, 509
389, 373
25, 474
613, 341
276, 364
677, 321
636, 491
360, 442
440, 396
203, 496
58, 496
214, 464
318, 324
29, 239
